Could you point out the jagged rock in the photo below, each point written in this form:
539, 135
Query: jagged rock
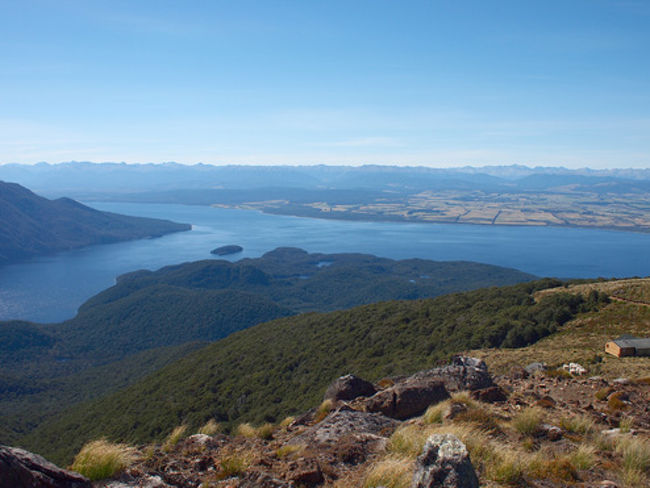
349, 387
23, 469
464, 373
533, 368
305, 472
444, 463
546, 402
356, 448
517, 372
407, 399
490, 394
344, 422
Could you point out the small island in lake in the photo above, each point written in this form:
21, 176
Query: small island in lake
225, 250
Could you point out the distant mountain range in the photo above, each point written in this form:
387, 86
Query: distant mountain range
94, 180
31, 225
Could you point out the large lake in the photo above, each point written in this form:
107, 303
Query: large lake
51, 288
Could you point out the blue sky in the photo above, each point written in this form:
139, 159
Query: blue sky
437, 83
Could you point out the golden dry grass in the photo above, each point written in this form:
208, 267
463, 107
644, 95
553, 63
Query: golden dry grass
102, 459
391, 472
174, 437
211, 427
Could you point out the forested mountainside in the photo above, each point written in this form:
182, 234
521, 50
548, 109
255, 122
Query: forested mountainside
143, 321
31, 225
282, 367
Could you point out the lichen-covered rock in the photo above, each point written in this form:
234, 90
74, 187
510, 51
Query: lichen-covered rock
464, 373
444, 463
407, 399
344, 422
23, 469
536, 367
349, 387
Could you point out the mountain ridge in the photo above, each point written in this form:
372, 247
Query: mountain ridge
32, 225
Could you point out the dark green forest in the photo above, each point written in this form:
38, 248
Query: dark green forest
283, 367
150, 318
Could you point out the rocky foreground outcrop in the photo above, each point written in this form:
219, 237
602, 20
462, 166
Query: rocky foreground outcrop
341, 447
23, 469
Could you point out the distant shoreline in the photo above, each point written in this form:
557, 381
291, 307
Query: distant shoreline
355, 217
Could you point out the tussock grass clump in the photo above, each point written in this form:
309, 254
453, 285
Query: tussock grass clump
287, 422
578, 424
246, 430
263, 431
635, 453
211, 427
528, 421
233, 465
323, 410
625, 425
172, 439
583, 458
434, 413
391, 472
481, 417
288, 450
506, 468
633, 478
102, 459
408, 441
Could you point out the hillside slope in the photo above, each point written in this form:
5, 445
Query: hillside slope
151, 311
32, 225
282, 367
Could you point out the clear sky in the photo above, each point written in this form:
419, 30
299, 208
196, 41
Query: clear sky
437, 83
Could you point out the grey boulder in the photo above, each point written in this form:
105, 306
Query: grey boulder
349, 387
23, 469
444, 463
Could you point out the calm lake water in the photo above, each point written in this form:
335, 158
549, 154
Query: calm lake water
51, 288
